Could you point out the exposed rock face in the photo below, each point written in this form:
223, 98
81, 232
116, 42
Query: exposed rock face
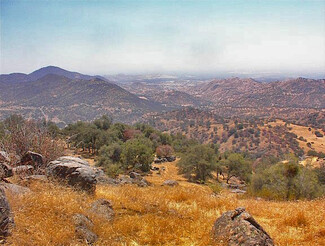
75, 171
83, 226
170, 183
238, 227
6, 219
103, 208
33, 159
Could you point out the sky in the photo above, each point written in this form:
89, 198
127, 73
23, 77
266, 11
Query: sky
132, 37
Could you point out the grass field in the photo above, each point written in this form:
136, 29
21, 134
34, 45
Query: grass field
157, 215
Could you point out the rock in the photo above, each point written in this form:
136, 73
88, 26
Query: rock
25, 169
154, 168
4, 157
14, 189
83, 226
82, 220
85, 234
134, 175
171, 158
170, 183
5, 170
238, 191
238, 227
103, 208
74, 171
33, 178
6, 218
33, 159
128, 180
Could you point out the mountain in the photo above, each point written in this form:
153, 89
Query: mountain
237, 92
65, 100
21, 77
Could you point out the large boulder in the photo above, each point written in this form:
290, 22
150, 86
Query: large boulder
238, 227
74, 171
33, 159
6, 218
102, 208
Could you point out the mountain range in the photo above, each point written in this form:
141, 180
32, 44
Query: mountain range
237, 92
63, 96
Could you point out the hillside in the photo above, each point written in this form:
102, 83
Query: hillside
156, 215
259, 137
64, 100
237, 92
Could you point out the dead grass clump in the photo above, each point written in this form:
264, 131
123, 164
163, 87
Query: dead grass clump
296, 219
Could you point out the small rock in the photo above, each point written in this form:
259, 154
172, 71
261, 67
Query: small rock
14, 189
238, 191
238, 227
5, 170
82, 220
33, 159
33, 178
103, 208
83, 233
171, 158
25, 169
170, 183
134, 175
4, 157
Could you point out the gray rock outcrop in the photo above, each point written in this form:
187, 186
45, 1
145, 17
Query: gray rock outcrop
238, 227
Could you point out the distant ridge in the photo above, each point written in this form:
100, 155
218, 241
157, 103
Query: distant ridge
37, 74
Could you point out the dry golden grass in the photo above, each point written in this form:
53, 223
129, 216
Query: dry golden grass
157, 215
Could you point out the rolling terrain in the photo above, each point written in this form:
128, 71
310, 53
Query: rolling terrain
64, 100
291, 93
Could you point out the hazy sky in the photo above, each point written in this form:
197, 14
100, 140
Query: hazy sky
108, 37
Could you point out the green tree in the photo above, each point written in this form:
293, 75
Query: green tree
236, 165
198, 163
137, 153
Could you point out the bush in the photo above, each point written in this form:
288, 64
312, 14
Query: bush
286, 181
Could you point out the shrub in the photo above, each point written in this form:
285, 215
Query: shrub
319, 134
286, 181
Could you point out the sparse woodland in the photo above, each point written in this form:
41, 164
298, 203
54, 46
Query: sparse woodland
156, 214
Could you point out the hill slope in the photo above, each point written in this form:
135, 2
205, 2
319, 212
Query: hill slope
237, 92
66, 100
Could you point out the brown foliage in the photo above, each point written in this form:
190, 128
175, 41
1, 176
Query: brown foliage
164, 151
